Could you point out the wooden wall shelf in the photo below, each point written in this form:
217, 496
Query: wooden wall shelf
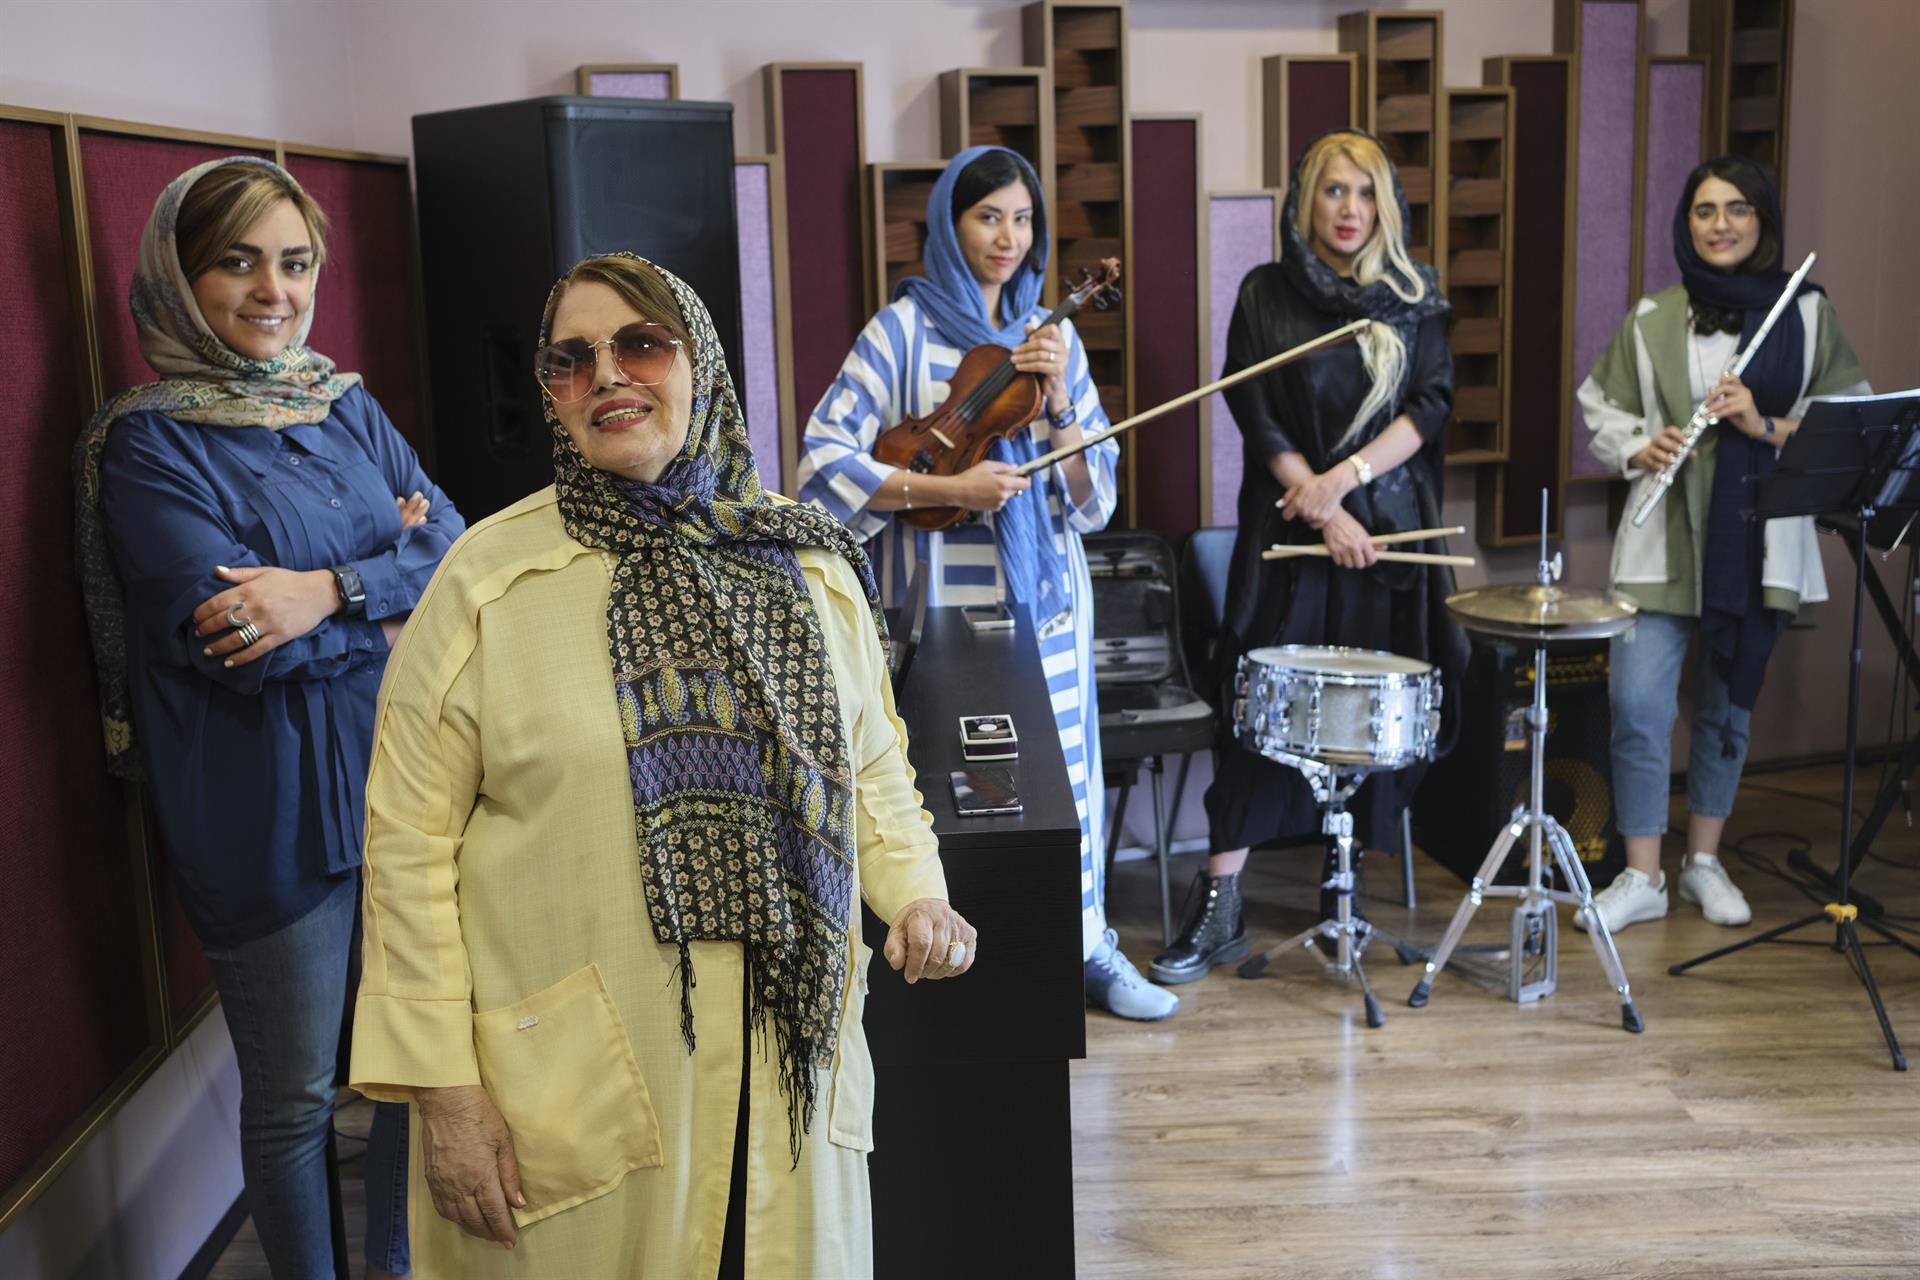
1400, 59
1082, 45
1479, 162
897, 194
1748, 45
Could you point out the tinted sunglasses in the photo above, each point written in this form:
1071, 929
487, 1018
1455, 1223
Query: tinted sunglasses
643, 353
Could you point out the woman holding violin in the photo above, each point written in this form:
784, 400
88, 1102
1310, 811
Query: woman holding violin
1019, 542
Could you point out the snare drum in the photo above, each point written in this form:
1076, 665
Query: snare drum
1342, 706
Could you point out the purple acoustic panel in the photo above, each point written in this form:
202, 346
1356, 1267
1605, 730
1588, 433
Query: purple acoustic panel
1609, 77
1166, 472
760, 354
73, 992
1319, 98
1538, 394
630, 84
1240, 231
1676, 105
826, 272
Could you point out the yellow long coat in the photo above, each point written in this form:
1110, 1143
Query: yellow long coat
508, 944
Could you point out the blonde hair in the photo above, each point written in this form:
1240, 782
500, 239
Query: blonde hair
639, 286
1382, 257
225, 201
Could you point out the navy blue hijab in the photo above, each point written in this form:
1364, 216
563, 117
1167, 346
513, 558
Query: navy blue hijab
950, 296
1738, 630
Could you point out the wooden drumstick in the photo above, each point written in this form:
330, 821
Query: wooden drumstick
1402, 557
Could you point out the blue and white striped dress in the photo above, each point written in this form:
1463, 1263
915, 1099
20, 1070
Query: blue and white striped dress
899, 368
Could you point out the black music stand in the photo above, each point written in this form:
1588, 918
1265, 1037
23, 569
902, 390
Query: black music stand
1855, 456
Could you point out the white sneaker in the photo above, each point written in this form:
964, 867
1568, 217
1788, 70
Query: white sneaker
1705, 882
1630, 899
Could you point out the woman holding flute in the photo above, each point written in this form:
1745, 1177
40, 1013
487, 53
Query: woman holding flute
1697, 564
1339, 448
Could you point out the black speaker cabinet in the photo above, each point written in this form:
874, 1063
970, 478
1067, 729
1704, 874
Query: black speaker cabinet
512, 195
1468, 796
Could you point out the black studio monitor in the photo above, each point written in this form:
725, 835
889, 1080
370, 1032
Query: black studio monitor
513, 194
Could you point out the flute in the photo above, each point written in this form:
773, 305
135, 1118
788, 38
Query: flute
1697, 425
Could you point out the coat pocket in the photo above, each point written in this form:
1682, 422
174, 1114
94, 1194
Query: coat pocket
850, 1114
559, 1067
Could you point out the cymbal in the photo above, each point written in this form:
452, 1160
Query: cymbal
1528, 611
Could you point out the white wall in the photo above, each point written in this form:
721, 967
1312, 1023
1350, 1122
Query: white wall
143, 1194
263, 68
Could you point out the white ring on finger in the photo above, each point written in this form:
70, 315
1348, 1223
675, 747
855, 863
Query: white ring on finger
956, 954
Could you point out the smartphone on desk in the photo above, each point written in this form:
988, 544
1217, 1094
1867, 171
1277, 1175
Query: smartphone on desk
978, 793
988, 617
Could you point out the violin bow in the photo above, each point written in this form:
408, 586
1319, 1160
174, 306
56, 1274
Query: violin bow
1352, 329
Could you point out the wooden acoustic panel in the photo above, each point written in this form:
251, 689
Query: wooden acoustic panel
1748, 45
1676, 141
1606, 38
1303, 95
1540, 303
1170, 285
78, 987
651, 80
898, 193
763, 254
814, 122
1009, 107
367, 306
1243, 232
1479, 241
1400, 56
1083, 45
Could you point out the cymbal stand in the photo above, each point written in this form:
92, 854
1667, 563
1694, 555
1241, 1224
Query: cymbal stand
1349, 935
1535, 915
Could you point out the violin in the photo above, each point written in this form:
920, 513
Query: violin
987, 400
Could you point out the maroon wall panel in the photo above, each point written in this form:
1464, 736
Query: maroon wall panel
820, 151
1542, 98
72, 991
1166, 361
1319, 98
366, 309
124, 176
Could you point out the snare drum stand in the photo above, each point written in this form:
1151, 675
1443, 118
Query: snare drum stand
1534, 919
1333, 785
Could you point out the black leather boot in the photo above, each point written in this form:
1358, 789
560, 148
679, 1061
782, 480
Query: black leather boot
1215, 934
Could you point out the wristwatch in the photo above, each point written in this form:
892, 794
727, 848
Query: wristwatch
353, 592
1361, 468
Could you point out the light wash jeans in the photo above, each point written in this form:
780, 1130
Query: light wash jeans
1644, 692
285, 998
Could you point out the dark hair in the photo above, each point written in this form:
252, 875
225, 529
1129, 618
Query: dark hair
1747, 178
988, 174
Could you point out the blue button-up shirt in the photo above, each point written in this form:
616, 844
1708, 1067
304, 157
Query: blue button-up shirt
258, 772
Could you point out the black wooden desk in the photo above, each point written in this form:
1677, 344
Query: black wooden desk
972, 1166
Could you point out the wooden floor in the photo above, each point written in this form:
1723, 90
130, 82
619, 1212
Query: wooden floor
1756, 1129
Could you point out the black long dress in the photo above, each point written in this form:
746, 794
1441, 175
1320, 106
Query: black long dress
1307, 406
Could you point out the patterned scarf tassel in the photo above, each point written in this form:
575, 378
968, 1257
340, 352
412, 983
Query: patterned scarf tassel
798, 1054
684, 970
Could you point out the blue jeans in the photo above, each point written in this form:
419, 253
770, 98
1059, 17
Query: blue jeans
1644, 692
285, 997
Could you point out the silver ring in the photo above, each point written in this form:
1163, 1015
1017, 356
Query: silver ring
233, 613
956, 953
249, 634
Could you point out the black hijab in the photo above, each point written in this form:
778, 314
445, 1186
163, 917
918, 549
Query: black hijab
1737, 628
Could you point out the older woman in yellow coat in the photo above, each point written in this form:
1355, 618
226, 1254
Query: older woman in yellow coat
636, 766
